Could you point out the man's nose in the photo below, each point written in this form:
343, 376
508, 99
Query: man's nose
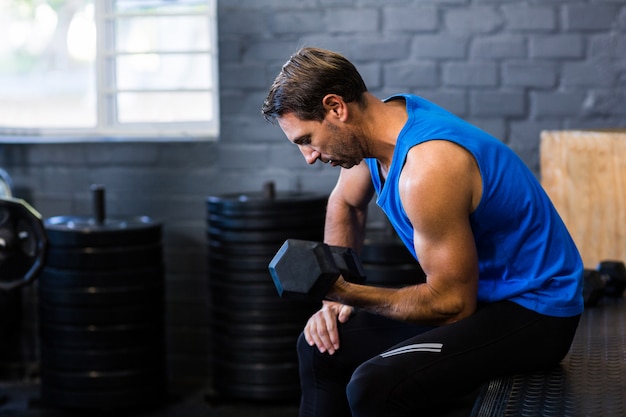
310, 155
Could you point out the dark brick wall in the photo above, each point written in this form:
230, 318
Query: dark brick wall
512, 67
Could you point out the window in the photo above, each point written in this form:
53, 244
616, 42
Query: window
88, 69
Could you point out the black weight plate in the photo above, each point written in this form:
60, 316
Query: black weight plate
108, 296
244, 277
386, 253
139, 396
242, 249
228, 314
278, 236
242, 263
246, 330
141, 357
232, 354
122, 257
76, 231
101, 336
85, 381
393, 274
227, 372
256, 203
265, 289
265, 222
24, 242
127, 314
289, 391
55, 278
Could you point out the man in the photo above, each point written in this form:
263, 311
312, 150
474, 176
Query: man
503, 290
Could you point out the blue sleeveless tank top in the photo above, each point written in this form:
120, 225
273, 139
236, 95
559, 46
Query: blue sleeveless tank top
525, 252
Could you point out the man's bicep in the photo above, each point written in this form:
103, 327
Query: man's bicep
354, 186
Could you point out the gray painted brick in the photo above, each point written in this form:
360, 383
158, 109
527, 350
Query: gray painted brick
352, 20
497, 103
499, 46
610, 45
588, 74
606, 103
410, 74
470, 74
298, 22
439, 46
495, 126
268, 50
529, 74
589, 16
413, 19
382, 48
242, 76
371, 74
529, 18
242, 23
557, 46
476, 19
556, 103
453, 101
263, 5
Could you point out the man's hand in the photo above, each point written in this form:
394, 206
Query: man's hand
321, 329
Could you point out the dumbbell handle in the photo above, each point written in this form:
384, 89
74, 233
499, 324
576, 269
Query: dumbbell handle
348, 263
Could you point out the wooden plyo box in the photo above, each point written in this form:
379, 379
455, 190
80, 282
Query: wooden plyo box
584, 173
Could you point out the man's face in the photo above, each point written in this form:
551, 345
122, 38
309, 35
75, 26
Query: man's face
325, 141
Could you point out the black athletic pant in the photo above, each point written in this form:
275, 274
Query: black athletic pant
387, 368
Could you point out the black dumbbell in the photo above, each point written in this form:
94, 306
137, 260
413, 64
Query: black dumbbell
308, 269
593, 287
614, 275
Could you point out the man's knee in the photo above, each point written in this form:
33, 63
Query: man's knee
367, 391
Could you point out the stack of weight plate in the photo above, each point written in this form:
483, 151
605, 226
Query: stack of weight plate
254, 331
387, 262
101, 296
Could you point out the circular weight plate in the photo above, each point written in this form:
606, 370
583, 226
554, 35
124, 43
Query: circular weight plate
23, 243
234, 263
218, 275
106, 296
255, 203
229, 372
85, 381
215, 246
263, 290
284, 393
122, 257
380, 252
401, 274
227, 314
118, 314
6, 185
246, 330
106, 400
141, 357
76, 231
227, 353
101, 336
276, 236
54, 278
265, 222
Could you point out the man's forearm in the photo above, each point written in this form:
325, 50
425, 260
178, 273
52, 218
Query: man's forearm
345, 224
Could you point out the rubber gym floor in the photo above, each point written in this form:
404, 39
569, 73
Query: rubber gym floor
590, 381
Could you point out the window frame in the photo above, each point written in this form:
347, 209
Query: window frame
107, 128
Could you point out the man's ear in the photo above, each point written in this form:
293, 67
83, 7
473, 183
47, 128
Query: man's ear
335, 105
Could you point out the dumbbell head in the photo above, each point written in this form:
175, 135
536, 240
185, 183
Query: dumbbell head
614, 273
303, 269
22, 243
593, 287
